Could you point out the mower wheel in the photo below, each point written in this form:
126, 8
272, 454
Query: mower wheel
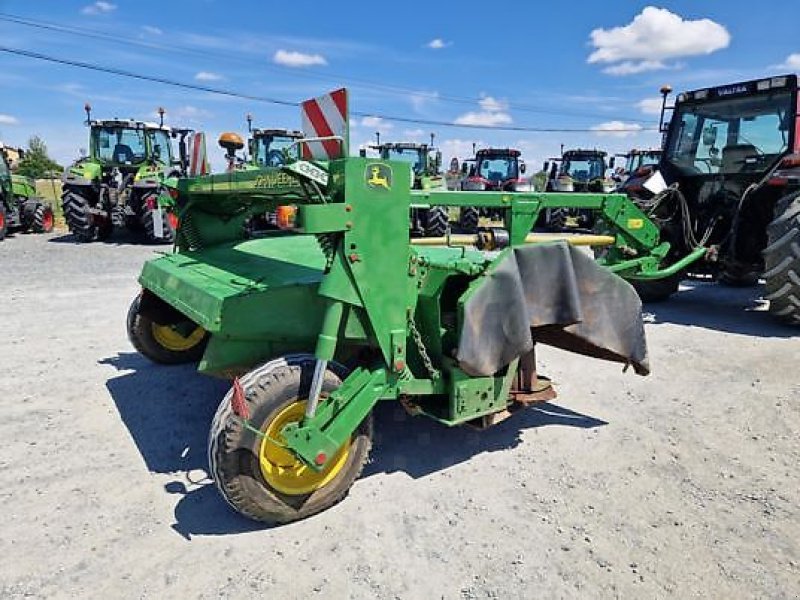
259, 477
436, 221
468, 219
43, 219
166, 344
656, 290
3, 222
782, 261
78, 218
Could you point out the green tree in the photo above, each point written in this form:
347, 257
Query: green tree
36, 163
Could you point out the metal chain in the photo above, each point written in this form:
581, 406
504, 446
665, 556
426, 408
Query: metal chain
423, 352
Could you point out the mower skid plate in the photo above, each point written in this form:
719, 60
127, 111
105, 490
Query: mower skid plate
221, 287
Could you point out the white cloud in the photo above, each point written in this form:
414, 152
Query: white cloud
650, 106
630, 67
419, 100
208, 76
377, 123
291, 58
458, 148
99, 8
493, 112
617, 129
152, 30
414, 134
792, 63
438, 44
490, 104
187, 114
8, 120
654, 35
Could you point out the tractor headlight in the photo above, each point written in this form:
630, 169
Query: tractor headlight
522, 186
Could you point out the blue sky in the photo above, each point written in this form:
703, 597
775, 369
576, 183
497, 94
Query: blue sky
590, 65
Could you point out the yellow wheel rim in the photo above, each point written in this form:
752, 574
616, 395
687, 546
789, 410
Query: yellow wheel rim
282, 470
171, 339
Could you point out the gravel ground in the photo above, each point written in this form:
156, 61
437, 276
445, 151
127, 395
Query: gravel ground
681, 484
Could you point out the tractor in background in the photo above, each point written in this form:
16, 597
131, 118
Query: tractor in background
125, 179
20, 208
425, 161
729, 180
576, 170
493, 170
639, 165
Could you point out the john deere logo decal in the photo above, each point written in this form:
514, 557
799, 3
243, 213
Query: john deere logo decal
379, 175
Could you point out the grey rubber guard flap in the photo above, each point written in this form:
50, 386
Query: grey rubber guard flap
552, 294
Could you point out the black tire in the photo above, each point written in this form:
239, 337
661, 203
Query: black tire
43, 219
233, 451
436, 221
78, 218
142, 334
468, 219
557, 218
739, 278
782, 261
656, 290
3, 221
147, 218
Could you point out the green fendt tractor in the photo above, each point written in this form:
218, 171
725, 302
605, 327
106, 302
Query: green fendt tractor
729, 180
125, 180
426, 171
342, 309
20, 208
577, 170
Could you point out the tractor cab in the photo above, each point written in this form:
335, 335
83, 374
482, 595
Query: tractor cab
272, 147
497, 169
639, 158
424, 159
579, 170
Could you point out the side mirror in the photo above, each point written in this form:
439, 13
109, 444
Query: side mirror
546, 166
464, 168
522, 168
362, 152
611, 162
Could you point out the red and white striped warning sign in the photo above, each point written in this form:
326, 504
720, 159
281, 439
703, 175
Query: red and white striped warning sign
325, 116
198, 160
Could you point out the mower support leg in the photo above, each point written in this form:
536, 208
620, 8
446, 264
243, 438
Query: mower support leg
326, 347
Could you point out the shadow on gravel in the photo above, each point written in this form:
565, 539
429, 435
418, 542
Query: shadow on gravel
120, 237
714, 306
419, 446
168, 410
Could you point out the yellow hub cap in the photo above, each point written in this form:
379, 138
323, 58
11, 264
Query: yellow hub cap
171, 339
282, 470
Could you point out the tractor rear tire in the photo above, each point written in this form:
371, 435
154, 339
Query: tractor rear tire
468, 219
656, 290
257, 477
436, 221
782, 261
43, 219
3, 222
147, 217
162, 343
78, 218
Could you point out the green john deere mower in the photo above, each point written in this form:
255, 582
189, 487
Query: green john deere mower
339, 309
